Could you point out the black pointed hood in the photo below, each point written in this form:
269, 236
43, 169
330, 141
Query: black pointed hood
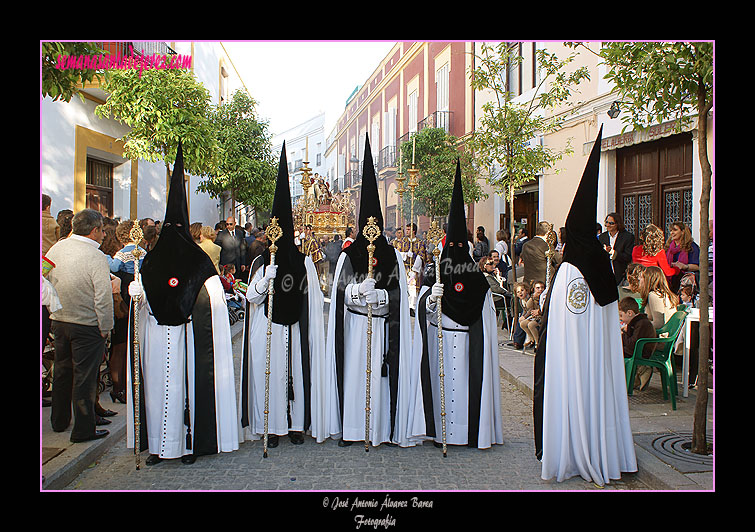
174, 271
290, 282
385, 265
464, 285
584, 250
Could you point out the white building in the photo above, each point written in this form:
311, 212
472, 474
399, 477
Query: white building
81, 157
304, 143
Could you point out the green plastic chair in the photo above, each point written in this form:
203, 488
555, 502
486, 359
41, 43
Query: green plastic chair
661, 358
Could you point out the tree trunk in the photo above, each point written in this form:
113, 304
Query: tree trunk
699, 442
515, 319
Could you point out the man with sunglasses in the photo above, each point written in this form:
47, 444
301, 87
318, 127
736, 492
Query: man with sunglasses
618, 243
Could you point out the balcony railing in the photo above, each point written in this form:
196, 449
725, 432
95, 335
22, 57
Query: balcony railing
439, 119
387, 157
352, 178
146, 48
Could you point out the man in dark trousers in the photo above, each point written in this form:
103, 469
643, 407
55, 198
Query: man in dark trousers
233, 247
534, 258
81, 277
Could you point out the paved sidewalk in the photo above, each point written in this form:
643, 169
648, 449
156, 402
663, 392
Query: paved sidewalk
659, 434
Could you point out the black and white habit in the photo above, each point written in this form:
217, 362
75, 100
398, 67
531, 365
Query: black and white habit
297, 344
393, 388
188, 399
470, 343
581, 411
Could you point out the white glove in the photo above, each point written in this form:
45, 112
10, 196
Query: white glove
262, 286
436, 292
368, 285
371, 297
135, 289
270, 272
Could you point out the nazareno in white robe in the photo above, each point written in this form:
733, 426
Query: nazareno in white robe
165, 352
408, 401
586, 429
254, 362
477, 425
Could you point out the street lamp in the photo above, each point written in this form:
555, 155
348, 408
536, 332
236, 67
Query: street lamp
614, 111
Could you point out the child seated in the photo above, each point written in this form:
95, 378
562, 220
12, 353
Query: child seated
636, 325
233, 299
529, 321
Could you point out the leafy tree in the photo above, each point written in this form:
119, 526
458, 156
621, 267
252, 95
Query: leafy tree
503, 139
163, 106
435, 153
660, 81
246, 166
61, 79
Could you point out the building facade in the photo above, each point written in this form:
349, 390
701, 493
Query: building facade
81, 156
417, 85
305, 143
647, 176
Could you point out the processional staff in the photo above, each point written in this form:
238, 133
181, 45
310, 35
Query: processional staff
371, 232
273, 232
136, 236
434, 236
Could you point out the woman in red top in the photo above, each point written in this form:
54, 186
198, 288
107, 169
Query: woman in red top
651, 251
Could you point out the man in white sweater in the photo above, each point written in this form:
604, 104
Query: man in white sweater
81, 278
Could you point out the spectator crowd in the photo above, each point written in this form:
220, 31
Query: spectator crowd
85, 311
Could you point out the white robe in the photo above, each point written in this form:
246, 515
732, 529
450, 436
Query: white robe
164, 382
456, 381
408, 406
278, 386
586, 428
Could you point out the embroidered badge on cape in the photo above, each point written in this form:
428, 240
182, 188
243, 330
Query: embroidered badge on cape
577, 296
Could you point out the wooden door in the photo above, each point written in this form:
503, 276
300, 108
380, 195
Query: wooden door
654, 183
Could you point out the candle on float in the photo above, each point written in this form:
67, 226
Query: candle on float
414, 145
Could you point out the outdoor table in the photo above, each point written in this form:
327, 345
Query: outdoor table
694, 315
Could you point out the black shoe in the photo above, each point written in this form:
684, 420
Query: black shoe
98, 434
153, 459
296, 437
437, 444
46, 402
99, 421
272, 441
105, 412
344, 443
188, 459
118, 397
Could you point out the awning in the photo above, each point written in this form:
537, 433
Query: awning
637, 136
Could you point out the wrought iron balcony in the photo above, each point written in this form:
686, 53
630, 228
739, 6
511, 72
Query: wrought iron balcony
352, 178
146, 48
386, 157
439, 119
